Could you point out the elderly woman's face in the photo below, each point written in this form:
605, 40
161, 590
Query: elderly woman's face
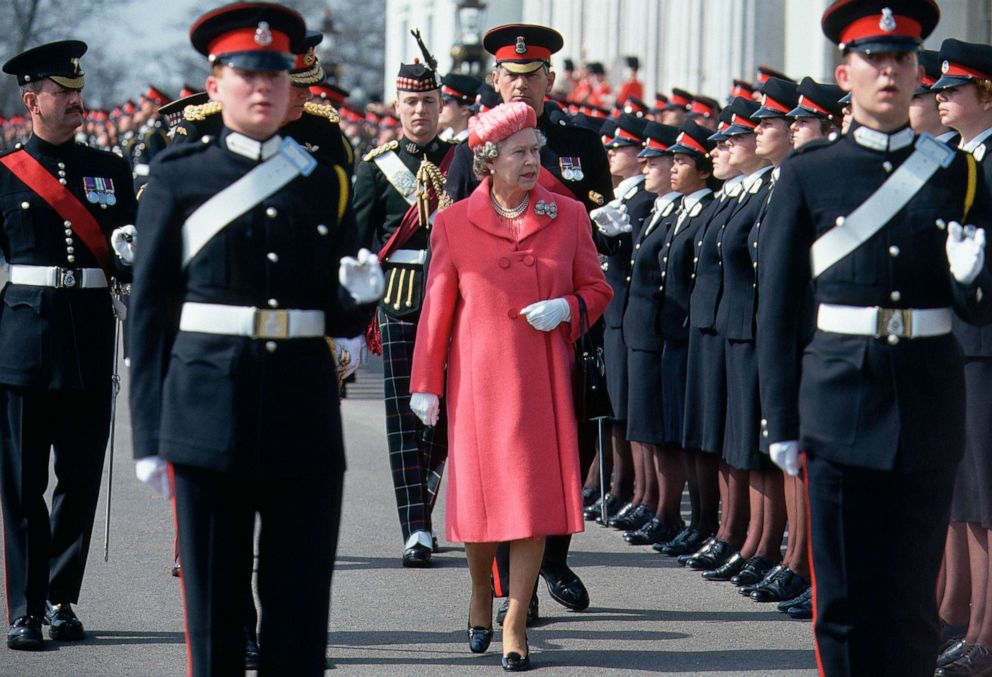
518, 162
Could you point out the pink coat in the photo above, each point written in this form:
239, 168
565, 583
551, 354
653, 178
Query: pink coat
513, 465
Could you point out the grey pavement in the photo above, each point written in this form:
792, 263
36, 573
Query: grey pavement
647, 614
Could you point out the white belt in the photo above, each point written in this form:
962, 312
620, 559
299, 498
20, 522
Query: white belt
414, 256
259, 323
879, 322
59, 278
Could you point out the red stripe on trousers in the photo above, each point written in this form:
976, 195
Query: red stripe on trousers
182, 579
812, 571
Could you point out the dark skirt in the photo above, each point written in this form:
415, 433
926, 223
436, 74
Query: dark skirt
615, 356
674, 362
972, 500
705, 392
645, 413
741, 446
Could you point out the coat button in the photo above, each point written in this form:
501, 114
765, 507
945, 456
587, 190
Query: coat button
628, 278
271, 346
322, 229
893, 251
25, 205
67, 223
513, 313
895, 296
273, 303
893, 339
504, 262
272, 212
62, 181
528, 260
273, 257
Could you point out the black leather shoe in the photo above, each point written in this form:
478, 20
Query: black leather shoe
692, 544
594, 511
786, 585
633, 520
654, 531
727, 570
417, 556
514, 662
62, 622
802, 610
566, 589
613, 515
714, 556
479, 639
753, 572
533, 610
700, 551
953, 652
590, 495
787, 604
976, 661
252, 652
676, 542
435, 548
25, 634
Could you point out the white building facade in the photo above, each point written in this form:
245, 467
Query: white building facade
699, 45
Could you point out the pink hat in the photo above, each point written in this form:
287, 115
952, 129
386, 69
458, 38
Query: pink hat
500, 123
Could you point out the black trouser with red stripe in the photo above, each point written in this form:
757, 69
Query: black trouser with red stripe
877, 538
215, 520
45, 555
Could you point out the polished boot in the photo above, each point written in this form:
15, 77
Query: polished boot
653, 532
727, 570
25, 634
62, 622
753, 571
715, 556
566, 588
633, 520
953, 652
786, 585
595, 511
976, 661
703, 548
612, 515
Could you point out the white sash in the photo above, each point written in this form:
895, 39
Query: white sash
398, 175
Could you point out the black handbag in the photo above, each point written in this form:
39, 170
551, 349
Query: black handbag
589, 383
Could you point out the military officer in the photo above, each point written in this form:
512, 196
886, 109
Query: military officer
457, 96
152, 136
234, 398
60, 202
880, 411
385, 195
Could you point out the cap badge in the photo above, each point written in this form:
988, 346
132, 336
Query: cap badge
310, 58
888, 22
263, 35
521, 47
944, 67
75, 65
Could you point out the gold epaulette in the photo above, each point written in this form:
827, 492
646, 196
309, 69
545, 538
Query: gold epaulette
201, 111
319, 110
376, 152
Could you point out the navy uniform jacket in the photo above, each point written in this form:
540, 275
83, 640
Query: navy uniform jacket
707, 273
640, 313
977, 341
675, 259
231, 403
59, 338
859, 400
735, 315
150, 140
639, 203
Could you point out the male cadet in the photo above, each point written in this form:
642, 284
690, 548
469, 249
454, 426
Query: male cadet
880, 411
457, 97
60, 201
152, 136
386, 197
576, 166
233, 398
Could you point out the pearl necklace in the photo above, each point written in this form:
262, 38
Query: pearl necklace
509, 213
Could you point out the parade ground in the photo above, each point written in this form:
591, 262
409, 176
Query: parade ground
647, 614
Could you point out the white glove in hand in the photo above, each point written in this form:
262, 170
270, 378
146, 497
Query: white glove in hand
426, 406
352, 353
123, 240
154, 472
611, 221
546, 315
785, 455
362, 276
965, 251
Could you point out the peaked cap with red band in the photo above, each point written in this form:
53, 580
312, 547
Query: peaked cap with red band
500, 123
330, 92
254, 36
741, 88
962, 63
766, 72
778, 97
157, 96
880, 25
693, 139
740, 122
818, 100
629, 132
680, 99
659, 139
461, 88
704, 106
522, 48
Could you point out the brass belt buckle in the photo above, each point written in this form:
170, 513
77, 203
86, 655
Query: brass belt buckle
894, 322
271, 324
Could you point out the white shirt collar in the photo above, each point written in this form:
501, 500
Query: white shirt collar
627, 184
732, 186
754, 177
870, 138
252, 149
692, 199
977, 141
663, 201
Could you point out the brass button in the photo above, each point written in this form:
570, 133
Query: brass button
70, 258
893, 339
273, 257
895, 296
322, 229
893, 251
271, 346
25, 205
271, 212
273, 303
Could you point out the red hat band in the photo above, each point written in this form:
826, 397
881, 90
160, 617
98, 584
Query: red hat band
928, 81
809, 105
657, 145
680, 100
886, 25
684, 139
744, 122
956, 69
740, 91
769, 102
521, 51
453, 92
624, 134
251, 40
701, 108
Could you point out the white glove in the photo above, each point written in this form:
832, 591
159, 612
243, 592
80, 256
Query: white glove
611, 220
546, 315
351, 352
123, 240
426, 406
965, 251
154, 472
362, 276
785, 455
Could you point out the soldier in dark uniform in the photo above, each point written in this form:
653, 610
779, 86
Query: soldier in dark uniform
152, 137
385, 191
236, 287
923, 114
875, 396
60, 202
457, 97
577, 166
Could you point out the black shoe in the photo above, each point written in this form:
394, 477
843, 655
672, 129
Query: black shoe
772, 574
64, 625
677, 540
727, 570
952, 652
533, 610
653, 532
787, 604
614, 514
753, 571
252, 652
786, 585
417, 556
435, 548
693, 541
975, 661
633, 520
479, 639
566, 589
803, 609
514, 662
177, 568
590, 496
594, 511
25, 634
714, 557
704, 548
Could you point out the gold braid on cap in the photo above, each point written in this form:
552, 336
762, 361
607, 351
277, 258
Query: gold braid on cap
430, 178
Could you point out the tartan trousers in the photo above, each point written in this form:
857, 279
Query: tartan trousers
417, 453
